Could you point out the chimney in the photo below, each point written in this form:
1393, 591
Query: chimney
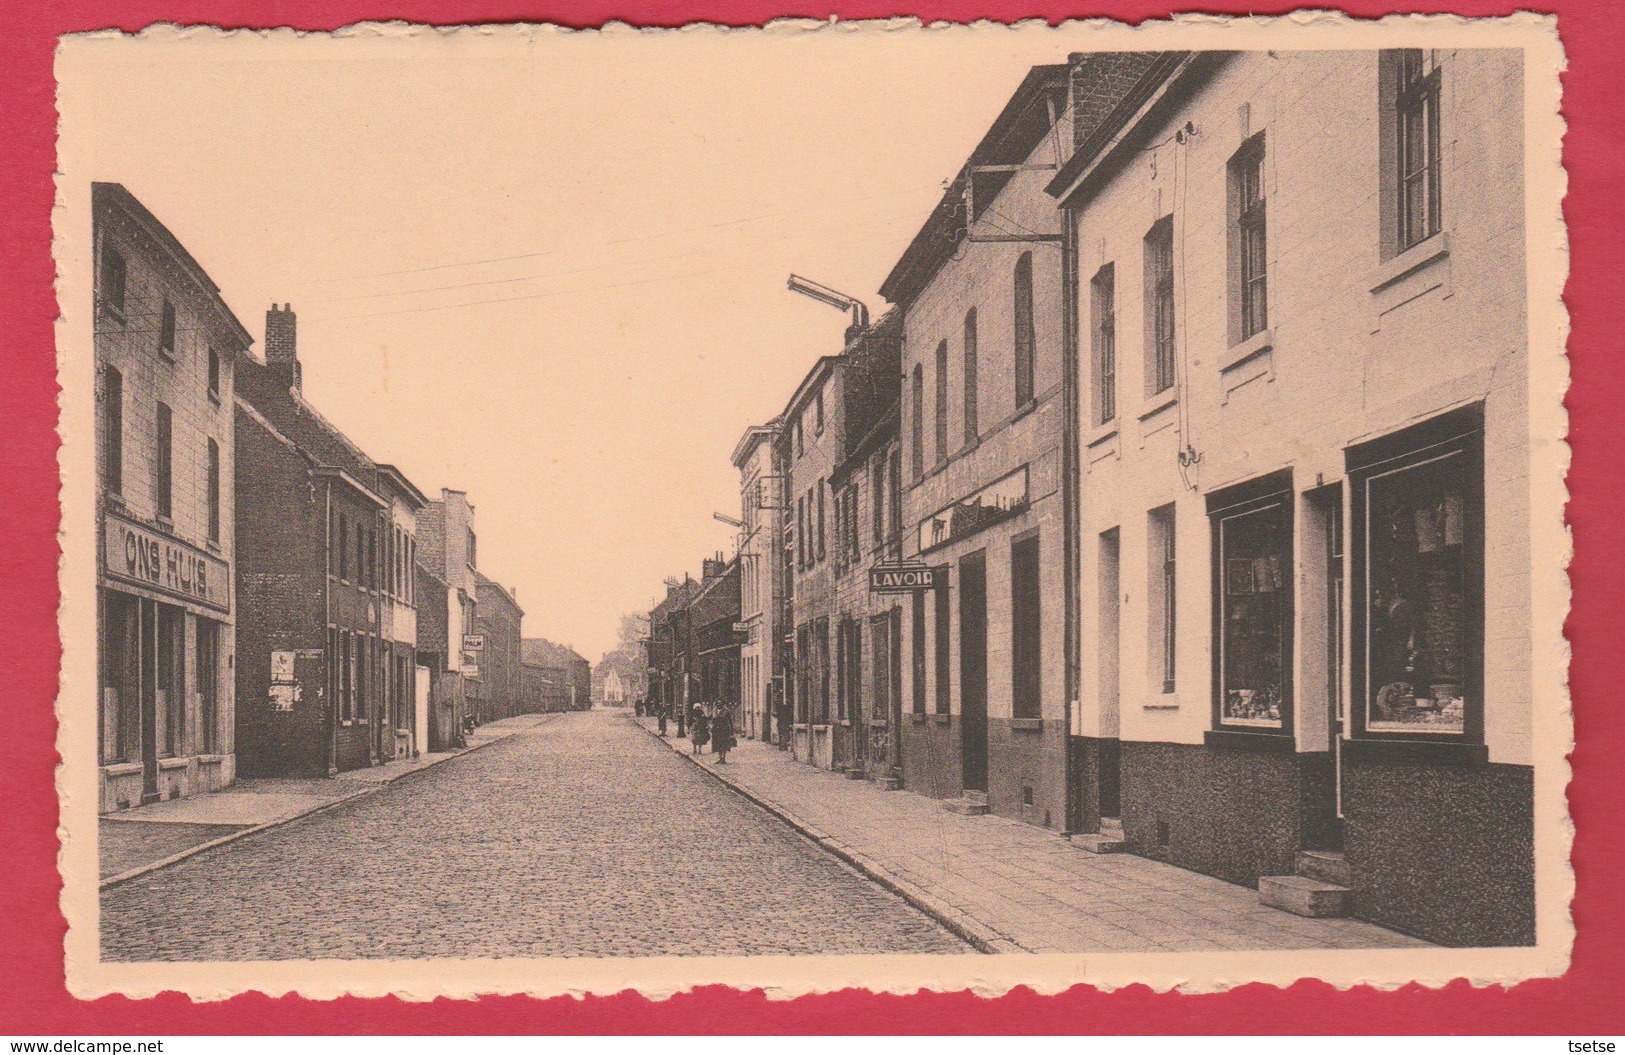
282, 344
713, 568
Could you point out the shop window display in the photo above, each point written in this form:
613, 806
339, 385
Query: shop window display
1255, 608
1418, 578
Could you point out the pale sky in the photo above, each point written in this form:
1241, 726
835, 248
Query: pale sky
549, 269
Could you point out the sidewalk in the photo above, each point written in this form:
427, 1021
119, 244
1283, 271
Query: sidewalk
1011, 887
132, 842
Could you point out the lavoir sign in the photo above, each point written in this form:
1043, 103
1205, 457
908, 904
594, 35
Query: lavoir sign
904, 578
141, 557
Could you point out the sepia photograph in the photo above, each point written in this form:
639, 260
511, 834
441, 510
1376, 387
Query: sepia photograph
834, 504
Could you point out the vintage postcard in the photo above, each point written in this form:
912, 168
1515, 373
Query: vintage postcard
823, 505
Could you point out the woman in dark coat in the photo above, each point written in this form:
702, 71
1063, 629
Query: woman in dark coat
699, 728
722, 734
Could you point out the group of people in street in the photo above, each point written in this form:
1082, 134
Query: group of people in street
708, 724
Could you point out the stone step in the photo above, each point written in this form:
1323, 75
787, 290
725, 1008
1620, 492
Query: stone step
1328, 866
856, 773
1098, 843
976, 796
1303, 897
966, 806
1111, 825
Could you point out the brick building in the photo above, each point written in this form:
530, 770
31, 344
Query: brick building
166, 348
809, 447
319, 685
983, 436
560, 674
497, 616
716, 657
1302, 339
406, 688
448, 549
760, 587
667, 650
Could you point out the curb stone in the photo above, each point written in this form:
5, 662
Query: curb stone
137, 872
980, 936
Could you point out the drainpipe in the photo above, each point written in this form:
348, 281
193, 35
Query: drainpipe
1071, 485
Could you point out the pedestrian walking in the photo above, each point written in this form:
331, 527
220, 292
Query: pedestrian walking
699, 729
722, 734
661, 713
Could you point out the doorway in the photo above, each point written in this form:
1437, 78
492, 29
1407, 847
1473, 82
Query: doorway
973, 671
1108, 623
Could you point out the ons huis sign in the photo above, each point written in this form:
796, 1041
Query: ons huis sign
142, 557
903, 578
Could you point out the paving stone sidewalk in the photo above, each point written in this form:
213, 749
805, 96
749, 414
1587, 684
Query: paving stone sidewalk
132, 840
1011, 887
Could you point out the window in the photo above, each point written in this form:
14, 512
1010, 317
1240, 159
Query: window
1162, 597
360, 554
944, 651
878, 500
885, 686
171, 678
1418, 579
344, 547
1026, 629
114, 275
941, 434
1252, 543
165, 462
801, 531
214, 491
1250, 297
473, 551
1103, 340
113, 431
822, 487
214, 375
1415, 78
917, 635
800, 449
1025, 357
894, 505
166, 331
372, 559
849, 668
972, 433
208, 684
1159, 301
123, 671
917, 424
818, 413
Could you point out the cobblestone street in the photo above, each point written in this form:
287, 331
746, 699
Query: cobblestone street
581, 836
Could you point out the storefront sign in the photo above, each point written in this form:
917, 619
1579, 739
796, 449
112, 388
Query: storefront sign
473, 642
282, 668
469, 670
1000, 500
902, 578
137, 555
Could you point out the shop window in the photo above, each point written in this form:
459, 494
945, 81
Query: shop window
114, 276
1410, 83
1024, 333
1103, 341
171, 677
207, 665
1252, 544
1162, 598
121, 678
113, 431
163, 477
1249, 293
214, 491
1026, 631
1418, 565
166, 331
1159, 306
942, 403
972, 430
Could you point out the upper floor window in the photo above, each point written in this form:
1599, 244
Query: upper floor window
113, 279
214, 491
165, 462
113, 430
877, 501
1413, 81
822, 487
800, 446
214, 375
818, 413
1023, 284
917, 423
1159, 306
1103, 340
166, 331
942, 403
1250, 296
972, 431
344, 547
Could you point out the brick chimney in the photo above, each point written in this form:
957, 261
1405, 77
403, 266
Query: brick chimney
282, 344
713, 568
1100, 80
